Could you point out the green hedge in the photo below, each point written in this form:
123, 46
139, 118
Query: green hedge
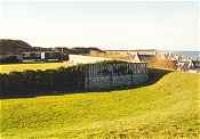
36, 82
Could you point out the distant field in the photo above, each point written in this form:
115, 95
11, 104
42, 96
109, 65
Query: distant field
167, 109
7, 68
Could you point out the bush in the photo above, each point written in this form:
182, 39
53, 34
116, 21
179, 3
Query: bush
34, 82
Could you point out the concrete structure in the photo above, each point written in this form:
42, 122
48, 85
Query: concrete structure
80, 59
103, 73
111, 75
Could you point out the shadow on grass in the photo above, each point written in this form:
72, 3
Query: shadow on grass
154, 76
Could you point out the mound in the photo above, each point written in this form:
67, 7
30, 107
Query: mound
13, 47
166, 109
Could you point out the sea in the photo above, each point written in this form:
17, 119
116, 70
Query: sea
192, 54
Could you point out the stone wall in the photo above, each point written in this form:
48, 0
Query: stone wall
80, 59
107, 82
97, 79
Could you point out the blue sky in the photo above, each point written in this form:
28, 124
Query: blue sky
108, 25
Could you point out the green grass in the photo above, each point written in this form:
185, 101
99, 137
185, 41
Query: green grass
7, 68
167, 109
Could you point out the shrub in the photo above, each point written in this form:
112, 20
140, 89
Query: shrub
34, 82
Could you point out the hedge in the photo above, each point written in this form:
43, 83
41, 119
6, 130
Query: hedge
30, 83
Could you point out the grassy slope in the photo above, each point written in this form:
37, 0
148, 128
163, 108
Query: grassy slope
168, 108
22, 67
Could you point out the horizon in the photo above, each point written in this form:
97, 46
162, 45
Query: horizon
71, 47
110, 25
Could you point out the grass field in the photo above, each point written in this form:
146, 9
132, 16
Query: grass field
7, 68
167, 109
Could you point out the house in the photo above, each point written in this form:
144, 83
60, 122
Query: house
143, 55
31, 56
140, 57
104, 73
45, 55
185, 65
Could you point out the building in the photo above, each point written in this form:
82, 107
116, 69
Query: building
185, 65
31, 56
103, 73
141, 57
135, 55
49, 55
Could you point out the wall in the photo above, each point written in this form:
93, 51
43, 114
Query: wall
110, 80
79, 59
107, 82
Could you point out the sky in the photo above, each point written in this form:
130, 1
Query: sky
167, 25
